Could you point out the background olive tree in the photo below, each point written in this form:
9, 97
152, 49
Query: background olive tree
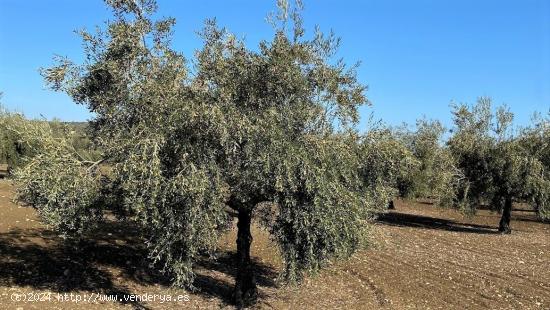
22, 138
535, 140
13, 145
188, 140
11, 150
388, 166
43, 153
436, 175
500, 164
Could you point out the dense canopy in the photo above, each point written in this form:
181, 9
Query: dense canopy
231, 129
499, 162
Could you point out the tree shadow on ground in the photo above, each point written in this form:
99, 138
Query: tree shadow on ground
529, 218
39, 259
427, 222
424, 202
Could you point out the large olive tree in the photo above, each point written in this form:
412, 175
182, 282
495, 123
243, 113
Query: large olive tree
233, 128
498, 166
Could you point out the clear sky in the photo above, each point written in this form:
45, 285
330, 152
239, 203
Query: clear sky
417, 56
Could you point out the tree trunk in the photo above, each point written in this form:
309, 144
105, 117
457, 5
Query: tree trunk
245, 285
504, 226
391, 205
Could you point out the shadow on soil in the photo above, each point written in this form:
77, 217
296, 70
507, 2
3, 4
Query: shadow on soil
420, 221
529, 218
212, 287
41, 260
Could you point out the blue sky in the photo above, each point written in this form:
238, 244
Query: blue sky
417, 56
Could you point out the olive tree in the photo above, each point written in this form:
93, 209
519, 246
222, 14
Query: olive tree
12, 148
387, 165
231, 129
22, 138
43, 153
535, 139
497, 167
435, 176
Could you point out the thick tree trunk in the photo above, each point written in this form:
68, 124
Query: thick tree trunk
245, 285
504, 226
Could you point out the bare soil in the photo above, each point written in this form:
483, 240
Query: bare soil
421, 257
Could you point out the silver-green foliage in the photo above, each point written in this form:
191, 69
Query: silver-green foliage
52, 175
436, 176
499, 162
535, 140
22, 138
12, 147
387, 166
231, 129
65, 193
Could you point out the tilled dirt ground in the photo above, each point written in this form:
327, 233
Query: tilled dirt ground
421, 258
